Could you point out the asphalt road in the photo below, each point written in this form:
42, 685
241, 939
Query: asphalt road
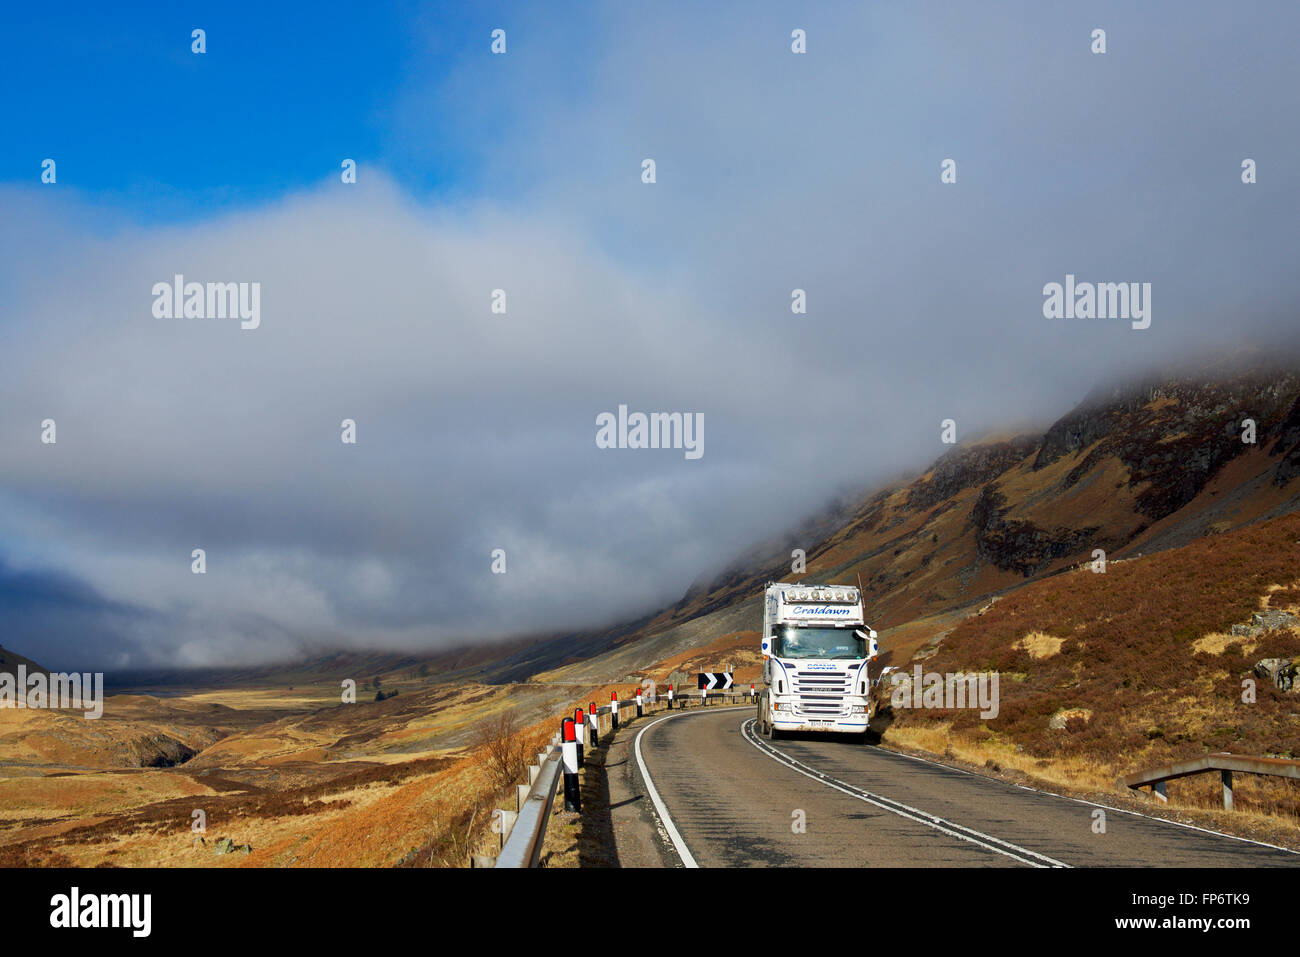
734, 799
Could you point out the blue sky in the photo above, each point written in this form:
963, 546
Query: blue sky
284, 92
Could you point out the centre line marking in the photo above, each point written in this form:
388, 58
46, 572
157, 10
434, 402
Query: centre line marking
1021, 854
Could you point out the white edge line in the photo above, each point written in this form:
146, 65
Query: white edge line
921, 817
1108, 807
679, 843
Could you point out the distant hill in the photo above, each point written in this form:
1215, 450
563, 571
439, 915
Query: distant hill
10, 660
328, 666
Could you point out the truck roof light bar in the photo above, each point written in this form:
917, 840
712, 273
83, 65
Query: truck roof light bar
830, 593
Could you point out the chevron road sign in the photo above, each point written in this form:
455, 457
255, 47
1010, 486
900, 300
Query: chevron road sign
714, 680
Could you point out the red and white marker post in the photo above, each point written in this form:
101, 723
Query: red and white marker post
594, 718
613, 708
580, 732
569, 754
639, 712
670, 697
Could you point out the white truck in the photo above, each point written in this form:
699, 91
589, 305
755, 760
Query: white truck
816, 652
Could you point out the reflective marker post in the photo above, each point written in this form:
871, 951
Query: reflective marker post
613, 708
569, 754
580, 732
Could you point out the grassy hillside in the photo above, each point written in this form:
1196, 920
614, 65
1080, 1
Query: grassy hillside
299, 780
1140, 662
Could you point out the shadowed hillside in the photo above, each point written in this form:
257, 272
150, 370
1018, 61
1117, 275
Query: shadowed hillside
10, 662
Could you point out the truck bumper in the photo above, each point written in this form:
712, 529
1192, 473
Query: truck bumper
855, 725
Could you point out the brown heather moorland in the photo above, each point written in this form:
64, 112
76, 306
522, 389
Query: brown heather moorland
1145, 669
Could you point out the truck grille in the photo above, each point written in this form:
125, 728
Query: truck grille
821, 692
815, 681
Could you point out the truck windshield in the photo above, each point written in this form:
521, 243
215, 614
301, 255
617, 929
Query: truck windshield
794, 642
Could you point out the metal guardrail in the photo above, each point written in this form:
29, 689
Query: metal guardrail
523, 830
1224, 763
523, 845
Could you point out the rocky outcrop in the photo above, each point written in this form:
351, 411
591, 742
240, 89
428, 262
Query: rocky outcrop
1020, 546
1069, 719
1176, 433
968, 467
1263, 621
1286, 445
226, 846
1282, 672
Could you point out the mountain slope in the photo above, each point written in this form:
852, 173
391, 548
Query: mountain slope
1132, 469
1136, 468
11, 660
1158, 659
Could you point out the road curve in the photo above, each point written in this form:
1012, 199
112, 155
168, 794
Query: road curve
734, 799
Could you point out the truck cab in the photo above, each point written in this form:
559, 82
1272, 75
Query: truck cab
817, 651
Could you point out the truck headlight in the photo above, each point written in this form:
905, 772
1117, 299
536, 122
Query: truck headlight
858, 709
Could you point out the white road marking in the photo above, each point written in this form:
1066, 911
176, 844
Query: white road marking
1021, 854
1108, 807
1006, 848
679, 843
